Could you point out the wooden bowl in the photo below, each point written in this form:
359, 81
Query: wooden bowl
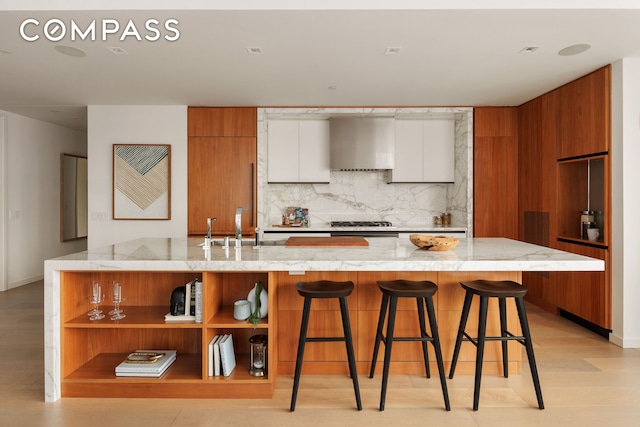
434, 243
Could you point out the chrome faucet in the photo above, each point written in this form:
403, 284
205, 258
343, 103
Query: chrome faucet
207, 239
239, 224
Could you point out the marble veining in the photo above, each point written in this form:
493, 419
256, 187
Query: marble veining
366, 195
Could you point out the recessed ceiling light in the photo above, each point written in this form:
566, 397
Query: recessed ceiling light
529, 49
392, 50
575, 49
117, 50
71, 51
254, 50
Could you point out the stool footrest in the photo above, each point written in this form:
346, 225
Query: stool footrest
324, 339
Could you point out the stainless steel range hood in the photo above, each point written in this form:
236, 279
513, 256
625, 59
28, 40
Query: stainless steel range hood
362, 143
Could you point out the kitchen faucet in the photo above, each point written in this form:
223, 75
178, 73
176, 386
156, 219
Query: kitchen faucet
207, 239
239, 224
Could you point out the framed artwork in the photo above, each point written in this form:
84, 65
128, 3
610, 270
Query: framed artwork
142, 181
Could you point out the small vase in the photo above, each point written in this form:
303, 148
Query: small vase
263, 301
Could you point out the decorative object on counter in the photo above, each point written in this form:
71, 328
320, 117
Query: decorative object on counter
96, 298
258, 355
434, 243
437, 220
141, 181
241, 309
296, 216
446, 219
258, 302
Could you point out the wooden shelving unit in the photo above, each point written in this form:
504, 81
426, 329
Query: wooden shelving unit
92, 349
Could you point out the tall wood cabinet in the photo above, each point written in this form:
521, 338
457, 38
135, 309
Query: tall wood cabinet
564, 140
222, 175
495, 165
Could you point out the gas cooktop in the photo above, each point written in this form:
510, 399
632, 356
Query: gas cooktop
360, 224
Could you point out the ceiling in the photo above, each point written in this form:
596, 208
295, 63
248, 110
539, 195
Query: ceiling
333, 55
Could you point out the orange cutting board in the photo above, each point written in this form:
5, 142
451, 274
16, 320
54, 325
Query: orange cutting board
327, 241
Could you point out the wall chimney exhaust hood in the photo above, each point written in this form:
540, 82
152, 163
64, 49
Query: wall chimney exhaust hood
361, 143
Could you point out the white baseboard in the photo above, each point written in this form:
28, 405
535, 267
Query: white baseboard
23, 282
624, 342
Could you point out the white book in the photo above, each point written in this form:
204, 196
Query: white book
227, 355
187, 299
216, 355
198, 301
180, 318
155, 368
210, 356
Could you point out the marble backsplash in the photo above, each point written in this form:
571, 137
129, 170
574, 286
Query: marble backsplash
366, 195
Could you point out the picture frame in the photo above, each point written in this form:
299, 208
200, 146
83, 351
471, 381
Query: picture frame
141, 182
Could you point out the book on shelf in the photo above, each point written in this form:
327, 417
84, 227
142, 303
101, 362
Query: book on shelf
187, 300
213, 357
198, 301
227, 355
179, 318
146, 363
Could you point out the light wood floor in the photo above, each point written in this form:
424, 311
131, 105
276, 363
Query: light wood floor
586, 381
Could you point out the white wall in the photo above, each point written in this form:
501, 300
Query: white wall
625, 174
140, 124
32, 185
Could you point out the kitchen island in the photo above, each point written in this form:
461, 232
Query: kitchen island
80, 354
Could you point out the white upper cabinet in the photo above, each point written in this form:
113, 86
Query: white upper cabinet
298, 151
424, 151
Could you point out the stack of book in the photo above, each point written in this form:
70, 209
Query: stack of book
221, 357
192, 304
146, 363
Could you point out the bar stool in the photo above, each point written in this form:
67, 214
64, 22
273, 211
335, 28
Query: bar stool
486, 289
325, 289
423, 292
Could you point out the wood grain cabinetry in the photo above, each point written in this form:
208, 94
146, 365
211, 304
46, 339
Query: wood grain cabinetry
222, 173
563, 163
585, 115
364, 309
92, 349
495, 165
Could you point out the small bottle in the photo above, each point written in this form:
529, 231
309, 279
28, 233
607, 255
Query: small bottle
446, 219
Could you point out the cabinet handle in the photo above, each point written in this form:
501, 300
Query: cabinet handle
252, 192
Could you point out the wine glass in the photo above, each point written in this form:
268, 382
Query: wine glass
116, 313
96, 298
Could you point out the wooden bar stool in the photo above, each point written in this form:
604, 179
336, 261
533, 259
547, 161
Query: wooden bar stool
423, 292
325, 289
486, 289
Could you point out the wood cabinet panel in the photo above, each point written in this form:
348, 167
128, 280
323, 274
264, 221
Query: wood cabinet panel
585, 115
222, 121
585, 294
222, 177
495, 180
495, 121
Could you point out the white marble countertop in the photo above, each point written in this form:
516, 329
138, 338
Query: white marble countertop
382, 254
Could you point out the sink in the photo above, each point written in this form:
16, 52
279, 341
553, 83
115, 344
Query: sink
249, 242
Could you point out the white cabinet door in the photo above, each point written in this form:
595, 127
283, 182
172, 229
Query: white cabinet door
313, 153
298, 151
282, 151
424, 151
439, 150
409, 151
